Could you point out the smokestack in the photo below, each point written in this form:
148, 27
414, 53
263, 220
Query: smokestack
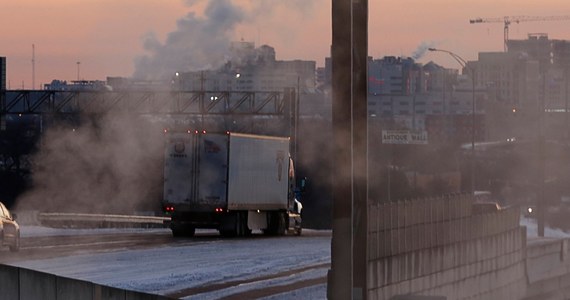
33, 67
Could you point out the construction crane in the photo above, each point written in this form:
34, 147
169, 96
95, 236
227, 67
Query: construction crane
516, 19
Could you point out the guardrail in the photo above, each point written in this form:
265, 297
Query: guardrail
79, 220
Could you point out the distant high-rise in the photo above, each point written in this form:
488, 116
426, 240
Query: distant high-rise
2, 88
2, 73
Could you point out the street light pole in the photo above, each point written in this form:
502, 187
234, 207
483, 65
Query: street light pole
463, 63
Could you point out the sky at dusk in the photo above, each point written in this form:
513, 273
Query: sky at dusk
133, 37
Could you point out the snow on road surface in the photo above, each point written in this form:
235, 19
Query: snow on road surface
532, 229
33, 231
171, 268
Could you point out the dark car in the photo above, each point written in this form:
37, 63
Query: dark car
485, 207
9, 229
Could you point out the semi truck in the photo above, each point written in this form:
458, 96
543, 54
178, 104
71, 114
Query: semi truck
232, 182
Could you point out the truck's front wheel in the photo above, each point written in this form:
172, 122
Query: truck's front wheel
299, 231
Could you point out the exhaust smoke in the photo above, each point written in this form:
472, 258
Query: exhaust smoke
107, 165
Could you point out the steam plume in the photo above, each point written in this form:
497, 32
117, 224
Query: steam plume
198, 42
110, 165
202, 42
114, 163
422, 49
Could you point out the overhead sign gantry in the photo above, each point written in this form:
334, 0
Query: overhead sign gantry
259, 103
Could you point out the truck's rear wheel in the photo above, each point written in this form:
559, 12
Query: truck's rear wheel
186, 231
239, 226
276, 224
228, 233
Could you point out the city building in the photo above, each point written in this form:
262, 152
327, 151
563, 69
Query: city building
406, 95
251, 69
533, 74
2, 88
553, 57
424, 98
537, 47
392, 75
76, 85
510, 77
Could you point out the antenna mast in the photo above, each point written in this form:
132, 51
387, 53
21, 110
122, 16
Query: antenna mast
33, 67
78, 63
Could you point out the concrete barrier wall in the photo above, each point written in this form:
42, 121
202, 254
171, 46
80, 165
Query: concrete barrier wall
24, 284
9, 282
437, 247
547, 258
548, 269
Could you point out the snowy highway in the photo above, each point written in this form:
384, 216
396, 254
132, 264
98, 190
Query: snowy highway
203, 267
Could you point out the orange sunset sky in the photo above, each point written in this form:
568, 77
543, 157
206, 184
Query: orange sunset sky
107, 36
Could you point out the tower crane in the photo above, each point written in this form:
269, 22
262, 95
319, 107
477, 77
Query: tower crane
516, 19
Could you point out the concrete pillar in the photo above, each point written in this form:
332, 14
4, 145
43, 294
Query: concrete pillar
347, 277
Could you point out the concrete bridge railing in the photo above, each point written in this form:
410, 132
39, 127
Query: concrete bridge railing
548, 269
24, 284
438, 247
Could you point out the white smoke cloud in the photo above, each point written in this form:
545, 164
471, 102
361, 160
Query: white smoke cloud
199, 42
111, 164
202, 41
422, 49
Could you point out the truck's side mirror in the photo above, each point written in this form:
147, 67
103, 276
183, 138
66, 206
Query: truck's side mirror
303, 183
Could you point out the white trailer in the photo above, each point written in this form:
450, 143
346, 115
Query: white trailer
232, 182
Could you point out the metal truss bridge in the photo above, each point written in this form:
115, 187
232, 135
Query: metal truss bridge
147, 102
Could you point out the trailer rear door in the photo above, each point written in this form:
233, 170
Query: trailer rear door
179, 168
213, 171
